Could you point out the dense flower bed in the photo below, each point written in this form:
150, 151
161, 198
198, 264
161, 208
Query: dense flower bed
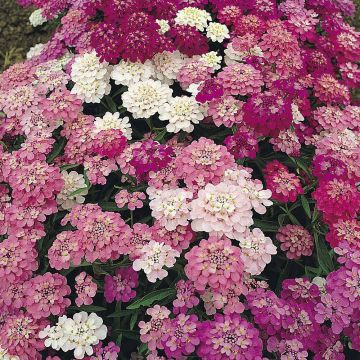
179, 181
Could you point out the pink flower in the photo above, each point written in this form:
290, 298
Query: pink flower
284, 185
229, 337
110, 143
295, 241
108, 352
202, 162
300, 291
18, 259
221, 209
185, 297
171, 208
215, 263
120, 287
344, 231
242, 144
329, 90
45, 295
152, 331
20, 336
193, 72
181, 336
97, 169
240, 79
85, 289
226, 111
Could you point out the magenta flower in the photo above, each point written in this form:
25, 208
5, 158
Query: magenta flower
85, 289
120, 287
229, 337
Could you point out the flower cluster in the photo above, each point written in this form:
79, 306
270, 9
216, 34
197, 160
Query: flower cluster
189, 171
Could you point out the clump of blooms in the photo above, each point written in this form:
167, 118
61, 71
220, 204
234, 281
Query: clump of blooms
79, 333
295, 241
215, 263
152, 259
285, 186
198, 154
120, 287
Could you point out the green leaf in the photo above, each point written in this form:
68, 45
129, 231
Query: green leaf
324, 258
68, 166
98, 270
306, 206
133, 319
121, 313
281, 219
149, 299
160, 135
78, 191
56, 150
109, 206
266, 225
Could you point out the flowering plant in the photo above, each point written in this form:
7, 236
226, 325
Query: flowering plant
179, 181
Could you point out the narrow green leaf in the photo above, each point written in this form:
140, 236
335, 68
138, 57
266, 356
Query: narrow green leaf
306, 206
149, 299
68, 166
78, 191
87, 308
160, 135
324, 258
133, 320
109, 206
266, 225
56, 151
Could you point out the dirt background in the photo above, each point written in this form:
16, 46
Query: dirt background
17, 35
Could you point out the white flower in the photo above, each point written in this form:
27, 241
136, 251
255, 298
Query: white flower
154, 256
232, 56
91, 78
296, 114
4, 355
127, 73
35, 51
212, 59
167, 65
194, 17
164, 26
217, 32
181, 112
321, 283
113, 121
78, 334
73, 182
171, 207
36, 18
144, 98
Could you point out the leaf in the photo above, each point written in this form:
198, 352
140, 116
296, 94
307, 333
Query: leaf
266, 225
68, 166
306, 206
78, 191
56, 150
133, 319
121, 313
324, 258
149, 299
160, 135
98, 270
109, 206
281, 219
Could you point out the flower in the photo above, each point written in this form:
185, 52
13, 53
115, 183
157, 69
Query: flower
214, 263
217, 32
144, 98
229, 337
112, 121
185, 296
193, 16
242, 144
256, 251
226, 110
120, 287
221, 209
79, 334
181, 336
181, 112
85, 289
45, 295
73, 191
171, 208
109, 143
128, 73
91, 78
153, 257
295, 241
202, 162
19, 335
36, 18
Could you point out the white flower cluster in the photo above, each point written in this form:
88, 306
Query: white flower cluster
181, 112
144, 98
154, 256
167, 65
212, 59
127, 73
113, 121
79, 334
35, 51
36, 18
164, 26
73, 191
91, 78
217, 32
193, 17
